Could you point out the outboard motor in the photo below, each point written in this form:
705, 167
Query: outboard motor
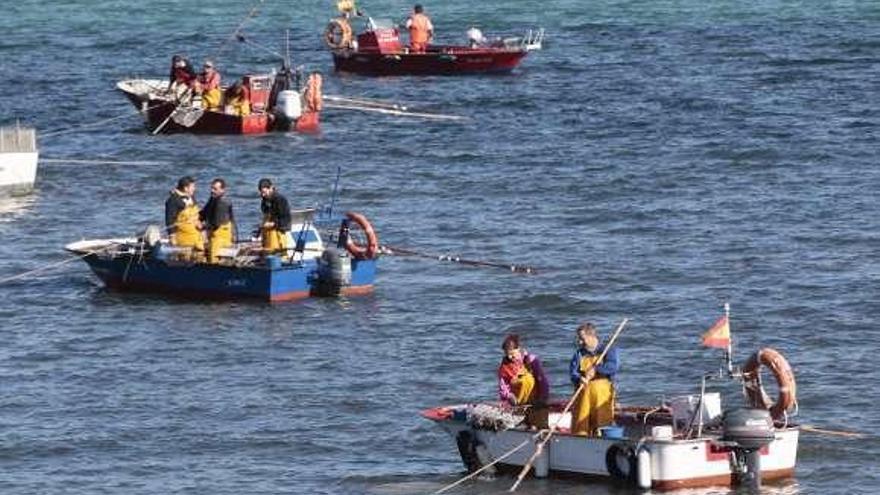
751, 430
334, 272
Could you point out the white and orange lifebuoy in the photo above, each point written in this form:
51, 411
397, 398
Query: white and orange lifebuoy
338, 33
781, 370
366, 251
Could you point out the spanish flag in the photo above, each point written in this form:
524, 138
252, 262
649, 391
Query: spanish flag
718, 335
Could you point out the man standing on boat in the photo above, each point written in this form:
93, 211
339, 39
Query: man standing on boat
276, 218
521, 381
594, 406
182, 217
218, 220
208, 85
421, 31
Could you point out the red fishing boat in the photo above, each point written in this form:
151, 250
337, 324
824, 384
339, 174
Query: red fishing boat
377, 51
274, 105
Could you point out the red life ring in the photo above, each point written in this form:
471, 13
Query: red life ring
780, 368
362, 252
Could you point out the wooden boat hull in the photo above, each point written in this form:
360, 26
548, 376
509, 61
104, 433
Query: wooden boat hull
674, 463
447, 61
206, 281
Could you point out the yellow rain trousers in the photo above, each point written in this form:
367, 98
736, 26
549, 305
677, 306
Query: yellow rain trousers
594, 406
186, 232
274, 240
219, 239
211, 99
523, 386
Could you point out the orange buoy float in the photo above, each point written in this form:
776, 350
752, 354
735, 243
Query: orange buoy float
781, 370
366, 251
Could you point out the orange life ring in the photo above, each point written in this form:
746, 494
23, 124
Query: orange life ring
754, 389
338, 33
362, 252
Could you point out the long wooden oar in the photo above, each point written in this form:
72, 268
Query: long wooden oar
392, 250
540, 447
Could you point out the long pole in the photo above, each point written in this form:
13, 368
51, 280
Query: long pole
540, 447
729, 340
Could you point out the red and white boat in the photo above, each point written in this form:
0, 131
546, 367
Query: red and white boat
274, 105
378, 51
685, 442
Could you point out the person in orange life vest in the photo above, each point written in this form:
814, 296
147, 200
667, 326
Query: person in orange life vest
181, 77
208, 85
421, 31
594, 406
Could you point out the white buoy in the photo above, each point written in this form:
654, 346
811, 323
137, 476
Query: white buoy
644, 468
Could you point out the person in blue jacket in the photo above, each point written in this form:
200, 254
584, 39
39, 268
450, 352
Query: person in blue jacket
593, 407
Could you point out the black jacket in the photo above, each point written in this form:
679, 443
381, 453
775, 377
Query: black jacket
217, 211
278, 209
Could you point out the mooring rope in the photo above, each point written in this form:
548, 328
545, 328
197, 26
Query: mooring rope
392, 250
93, 124
55, 265
101, 162
487, 466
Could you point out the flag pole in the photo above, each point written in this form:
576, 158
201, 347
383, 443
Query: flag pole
729, 354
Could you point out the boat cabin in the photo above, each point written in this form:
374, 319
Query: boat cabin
381, 36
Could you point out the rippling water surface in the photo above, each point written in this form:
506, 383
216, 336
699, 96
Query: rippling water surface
654, 161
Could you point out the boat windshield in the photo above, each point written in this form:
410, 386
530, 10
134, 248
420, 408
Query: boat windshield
380, 23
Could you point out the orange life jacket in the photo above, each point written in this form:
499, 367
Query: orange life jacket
314, 98
419, 28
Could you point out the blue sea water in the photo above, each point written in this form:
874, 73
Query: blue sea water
654, 161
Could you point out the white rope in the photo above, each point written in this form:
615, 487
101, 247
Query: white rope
93, 124
54, 265
101, 162
388, 111
487, 466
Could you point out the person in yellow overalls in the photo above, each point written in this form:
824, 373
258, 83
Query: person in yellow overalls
521, 381
182, 217
276, 218
238, 101
593, 407
218, 220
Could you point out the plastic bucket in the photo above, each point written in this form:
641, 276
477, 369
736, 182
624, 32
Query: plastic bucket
615, 432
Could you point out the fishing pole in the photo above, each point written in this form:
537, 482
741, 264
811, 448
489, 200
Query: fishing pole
392, 250
335, 189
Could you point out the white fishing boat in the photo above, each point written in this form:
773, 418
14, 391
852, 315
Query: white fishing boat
18, 159
683, 442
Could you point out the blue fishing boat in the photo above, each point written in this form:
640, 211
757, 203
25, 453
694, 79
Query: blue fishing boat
148, 263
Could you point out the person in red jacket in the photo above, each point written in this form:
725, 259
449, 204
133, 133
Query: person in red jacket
522, 382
